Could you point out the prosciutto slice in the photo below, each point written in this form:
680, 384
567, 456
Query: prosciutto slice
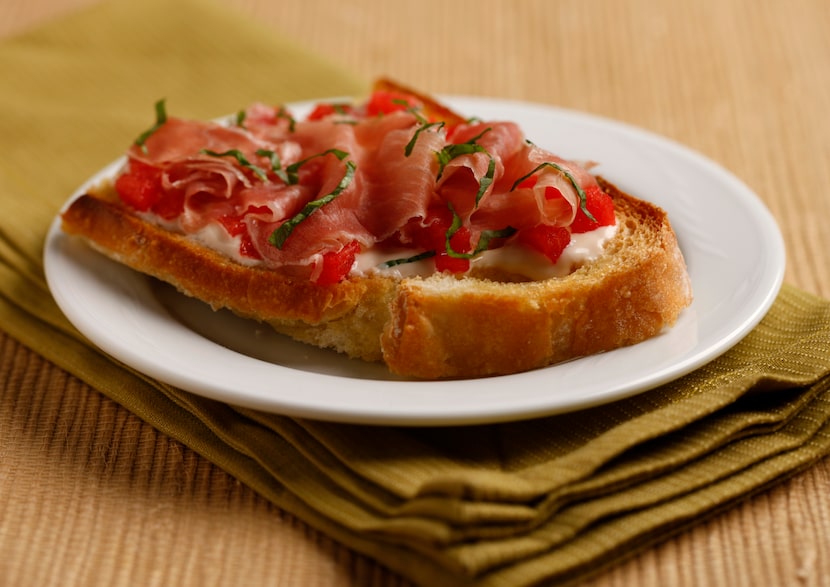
332, 181
537, 189
460, 183
327, 228
398, 172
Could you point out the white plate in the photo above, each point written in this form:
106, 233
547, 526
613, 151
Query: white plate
732, 245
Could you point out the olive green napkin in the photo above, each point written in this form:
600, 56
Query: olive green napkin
507, 504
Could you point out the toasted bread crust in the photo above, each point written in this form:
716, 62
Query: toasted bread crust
206, 274
436, 327
450, 328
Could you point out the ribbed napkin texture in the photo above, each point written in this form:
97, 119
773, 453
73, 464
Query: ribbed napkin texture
505, 504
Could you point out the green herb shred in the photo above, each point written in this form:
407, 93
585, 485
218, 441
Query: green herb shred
279, 236
240, 158
413, 110
411, 144
412, 259
452, 151
483, 241
583, 199
292, 122
161, 118
276, 165
487, 180
289, 174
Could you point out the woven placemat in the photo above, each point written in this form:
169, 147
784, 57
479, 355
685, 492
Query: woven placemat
507, 504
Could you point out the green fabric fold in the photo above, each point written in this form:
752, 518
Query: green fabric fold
503, 504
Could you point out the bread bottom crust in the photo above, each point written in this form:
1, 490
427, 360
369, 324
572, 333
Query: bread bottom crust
440, 326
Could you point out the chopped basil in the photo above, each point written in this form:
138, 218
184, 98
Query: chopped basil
411, 144
289, 174
413, 110
412, 259
483, 245
488, 235
583, 199
483, 241
294, 167
240, 158
161, 118
276, 165
452, 151
487, 179
283, 113
279, 236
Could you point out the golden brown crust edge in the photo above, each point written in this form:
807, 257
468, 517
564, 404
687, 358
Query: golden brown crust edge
205, 274
430, 328
629, 295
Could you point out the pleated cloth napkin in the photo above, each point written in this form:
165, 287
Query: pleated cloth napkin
513, 504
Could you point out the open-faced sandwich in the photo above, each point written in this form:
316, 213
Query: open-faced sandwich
392, 229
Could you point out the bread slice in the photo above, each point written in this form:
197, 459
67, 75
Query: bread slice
440, 326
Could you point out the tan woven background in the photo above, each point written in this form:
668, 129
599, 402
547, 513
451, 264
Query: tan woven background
89, 494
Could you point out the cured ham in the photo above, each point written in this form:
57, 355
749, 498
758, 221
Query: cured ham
395, 171
399, 171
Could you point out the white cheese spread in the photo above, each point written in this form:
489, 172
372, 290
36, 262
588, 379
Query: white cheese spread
583, 248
